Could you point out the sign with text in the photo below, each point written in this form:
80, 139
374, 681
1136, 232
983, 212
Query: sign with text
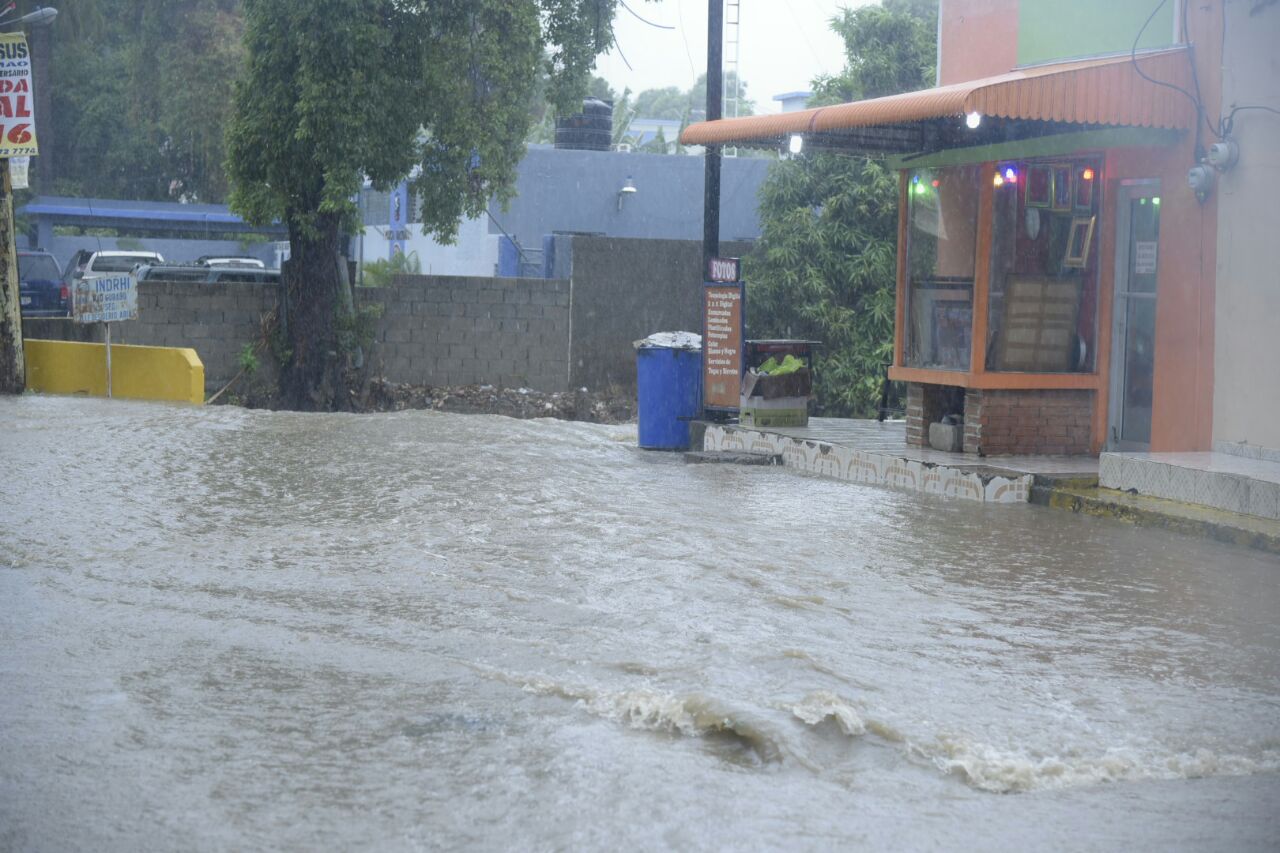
106, 299
17, 122
721, 345
724, 269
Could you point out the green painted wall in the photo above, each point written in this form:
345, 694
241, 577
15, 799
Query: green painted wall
1064, 29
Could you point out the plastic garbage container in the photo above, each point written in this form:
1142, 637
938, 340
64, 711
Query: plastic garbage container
668, 388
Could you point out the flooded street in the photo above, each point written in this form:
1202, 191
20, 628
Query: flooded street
229, 629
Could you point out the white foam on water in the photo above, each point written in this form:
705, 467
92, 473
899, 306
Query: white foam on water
822, 705
988, 768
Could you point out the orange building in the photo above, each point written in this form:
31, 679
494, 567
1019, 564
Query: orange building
1057, 271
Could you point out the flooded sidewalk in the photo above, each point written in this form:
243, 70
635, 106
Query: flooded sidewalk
229, 629
876, 453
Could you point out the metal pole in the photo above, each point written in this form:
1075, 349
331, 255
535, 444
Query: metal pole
715, 95
107, 326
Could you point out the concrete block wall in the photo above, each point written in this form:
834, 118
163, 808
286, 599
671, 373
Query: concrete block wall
625, 289
214, 319
443, 330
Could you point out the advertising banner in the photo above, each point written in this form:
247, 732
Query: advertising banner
721, 345
17, 103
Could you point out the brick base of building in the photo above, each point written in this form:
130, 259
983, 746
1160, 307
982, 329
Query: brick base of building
1002, 422
927, 404
999, 422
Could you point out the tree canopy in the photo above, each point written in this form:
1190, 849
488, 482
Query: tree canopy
825, 265
336, 91
139, 97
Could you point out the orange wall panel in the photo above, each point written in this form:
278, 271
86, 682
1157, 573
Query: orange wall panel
977, 38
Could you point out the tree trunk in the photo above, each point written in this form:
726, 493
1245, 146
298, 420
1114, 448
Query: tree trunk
312, 379
13, 370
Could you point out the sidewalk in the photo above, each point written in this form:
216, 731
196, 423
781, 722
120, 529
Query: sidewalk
867, 451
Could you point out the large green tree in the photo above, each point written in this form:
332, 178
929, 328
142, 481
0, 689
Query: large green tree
825, 264
339, 90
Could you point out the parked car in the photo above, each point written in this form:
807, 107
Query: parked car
179, 272
230, 261
41, 291
88, 264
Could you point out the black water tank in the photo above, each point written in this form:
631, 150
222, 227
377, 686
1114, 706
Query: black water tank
590, 130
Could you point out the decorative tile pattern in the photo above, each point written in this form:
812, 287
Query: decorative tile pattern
1234, 482
840, 462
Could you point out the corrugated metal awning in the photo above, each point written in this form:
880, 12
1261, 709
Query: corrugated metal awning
1094, 92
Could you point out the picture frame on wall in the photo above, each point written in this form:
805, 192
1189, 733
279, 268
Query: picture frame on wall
1062, 188
1078, 241
1039, 186
1083, 187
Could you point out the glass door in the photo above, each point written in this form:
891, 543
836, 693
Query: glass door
1134, 332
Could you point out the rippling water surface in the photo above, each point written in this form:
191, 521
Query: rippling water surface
226, 629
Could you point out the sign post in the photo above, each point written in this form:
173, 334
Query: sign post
723, 323
107, 299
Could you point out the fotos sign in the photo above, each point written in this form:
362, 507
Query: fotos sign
724, 269
106, 299
17, 121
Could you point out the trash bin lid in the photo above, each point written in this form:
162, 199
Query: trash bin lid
670, 340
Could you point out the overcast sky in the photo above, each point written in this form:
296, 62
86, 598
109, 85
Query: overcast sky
785, 44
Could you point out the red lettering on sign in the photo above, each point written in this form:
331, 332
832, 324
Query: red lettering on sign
19, 134
7, 86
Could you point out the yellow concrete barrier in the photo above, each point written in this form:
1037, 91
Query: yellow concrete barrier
138, 373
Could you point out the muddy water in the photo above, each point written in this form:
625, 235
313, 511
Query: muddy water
225, 629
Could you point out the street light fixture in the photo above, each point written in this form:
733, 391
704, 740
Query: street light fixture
41, 17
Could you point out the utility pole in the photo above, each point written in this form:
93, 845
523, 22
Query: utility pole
715, 95
13, 368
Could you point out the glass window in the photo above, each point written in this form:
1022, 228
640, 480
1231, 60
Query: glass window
37, 268
942, 220
1043, 308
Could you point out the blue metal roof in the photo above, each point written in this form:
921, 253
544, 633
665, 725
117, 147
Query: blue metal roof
103, 209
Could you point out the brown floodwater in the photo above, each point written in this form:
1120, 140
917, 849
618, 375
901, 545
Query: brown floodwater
225, 629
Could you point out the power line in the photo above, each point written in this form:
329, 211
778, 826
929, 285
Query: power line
637, 16
688, 53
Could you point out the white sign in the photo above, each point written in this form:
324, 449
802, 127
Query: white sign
18, 168
105, 299
1144, 257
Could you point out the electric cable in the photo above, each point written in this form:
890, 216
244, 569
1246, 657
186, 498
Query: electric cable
618, 47
1133, 58
637, 16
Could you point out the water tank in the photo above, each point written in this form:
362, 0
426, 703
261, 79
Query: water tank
590, 130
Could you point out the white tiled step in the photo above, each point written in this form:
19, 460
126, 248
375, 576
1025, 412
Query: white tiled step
1220, 480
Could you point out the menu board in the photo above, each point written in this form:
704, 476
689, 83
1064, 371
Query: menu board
721, 345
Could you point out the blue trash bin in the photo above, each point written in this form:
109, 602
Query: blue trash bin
669, 392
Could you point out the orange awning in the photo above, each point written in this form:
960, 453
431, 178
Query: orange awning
1107, 91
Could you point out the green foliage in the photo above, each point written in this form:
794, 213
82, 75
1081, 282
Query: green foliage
341, 89
358, 329
138, 91
825, 267
380, 272
337, 91
247, 358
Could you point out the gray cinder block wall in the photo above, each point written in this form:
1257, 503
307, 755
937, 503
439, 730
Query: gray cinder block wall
440, 330
625, 289
214, 319
545, 334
